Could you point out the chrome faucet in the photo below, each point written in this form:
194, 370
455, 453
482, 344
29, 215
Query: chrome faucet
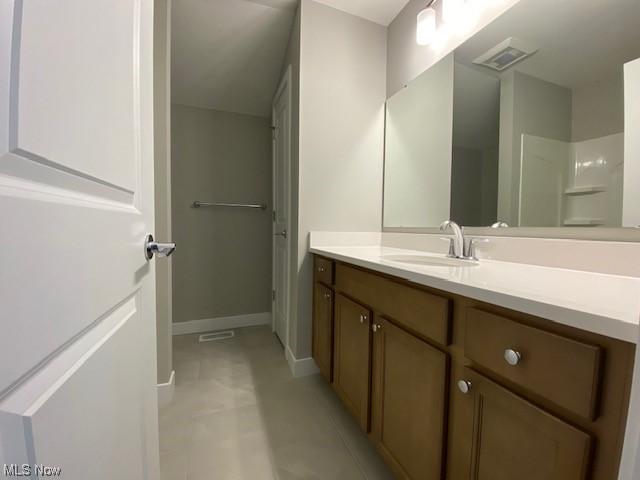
456, 247
459, 246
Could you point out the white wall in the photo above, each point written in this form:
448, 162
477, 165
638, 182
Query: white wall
342, 94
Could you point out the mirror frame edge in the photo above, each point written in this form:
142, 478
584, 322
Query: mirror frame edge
629, 234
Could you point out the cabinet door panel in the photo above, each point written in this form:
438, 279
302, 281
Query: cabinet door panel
514, 439
323, 329
409, 398
352, 350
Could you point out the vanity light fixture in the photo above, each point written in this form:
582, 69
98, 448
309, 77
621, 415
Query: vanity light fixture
426, 29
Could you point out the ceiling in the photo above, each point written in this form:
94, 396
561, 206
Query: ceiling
580, 41
227, 54
378, 11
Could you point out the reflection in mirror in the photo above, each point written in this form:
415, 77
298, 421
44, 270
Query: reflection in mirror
535, 122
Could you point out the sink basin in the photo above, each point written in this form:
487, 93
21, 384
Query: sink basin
424, 260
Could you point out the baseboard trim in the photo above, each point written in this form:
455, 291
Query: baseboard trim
300, 367
211, 324
165, 390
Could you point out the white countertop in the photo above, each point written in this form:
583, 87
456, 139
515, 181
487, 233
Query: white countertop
601, 303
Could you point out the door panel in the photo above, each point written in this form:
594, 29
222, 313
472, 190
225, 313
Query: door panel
76, 423
409, 402
514, 439
71, 119
77, 353
352, 350
323, 329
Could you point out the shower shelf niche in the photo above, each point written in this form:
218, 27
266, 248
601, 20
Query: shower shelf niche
585, 190
583, 222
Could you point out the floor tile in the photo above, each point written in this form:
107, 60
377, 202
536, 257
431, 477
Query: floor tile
238, 414
173, 466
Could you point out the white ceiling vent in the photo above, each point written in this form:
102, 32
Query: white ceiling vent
506, 54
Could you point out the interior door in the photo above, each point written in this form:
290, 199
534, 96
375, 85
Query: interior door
77, 312
281, 204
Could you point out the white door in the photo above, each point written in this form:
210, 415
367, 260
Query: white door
77, 313
281, 124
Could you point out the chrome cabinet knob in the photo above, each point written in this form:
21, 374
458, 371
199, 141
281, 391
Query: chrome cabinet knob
512, 357
464, 386
321, 269
152, 247
327, 296
363, 318
376, 328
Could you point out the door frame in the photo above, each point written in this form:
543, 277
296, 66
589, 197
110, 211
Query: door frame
284, 88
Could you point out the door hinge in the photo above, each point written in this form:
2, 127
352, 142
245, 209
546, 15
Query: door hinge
273, 295
274, 131
273, 215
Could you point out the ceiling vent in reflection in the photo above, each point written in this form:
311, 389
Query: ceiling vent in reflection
506, 54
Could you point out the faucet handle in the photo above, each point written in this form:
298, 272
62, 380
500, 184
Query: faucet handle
470, 250
452, 246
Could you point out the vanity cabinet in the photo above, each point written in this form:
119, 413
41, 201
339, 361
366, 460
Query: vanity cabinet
512, 438
352, 357
409, 402
451, 388
560, 369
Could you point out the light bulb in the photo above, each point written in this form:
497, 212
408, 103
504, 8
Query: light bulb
426, 29
451, 10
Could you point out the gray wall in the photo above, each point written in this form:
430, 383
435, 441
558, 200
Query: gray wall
535, 107
162, 172
598, 109
224, 262
342, 94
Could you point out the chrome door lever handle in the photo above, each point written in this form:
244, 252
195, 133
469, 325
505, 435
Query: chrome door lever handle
282, 234
152, 247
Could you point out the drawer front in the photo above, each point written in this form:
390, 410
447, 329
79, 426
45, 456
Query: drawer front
323, 270
419, 311
563, 371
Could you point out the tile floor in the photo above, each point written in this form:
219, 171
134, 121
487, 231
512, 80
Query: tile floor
238, 414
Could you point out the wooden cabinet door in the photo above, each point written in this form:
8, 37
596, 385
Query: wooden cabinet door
323, 329
512, 438
409, 397
352, 355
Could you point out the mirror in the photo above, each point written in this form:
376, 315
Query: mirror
524, 123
